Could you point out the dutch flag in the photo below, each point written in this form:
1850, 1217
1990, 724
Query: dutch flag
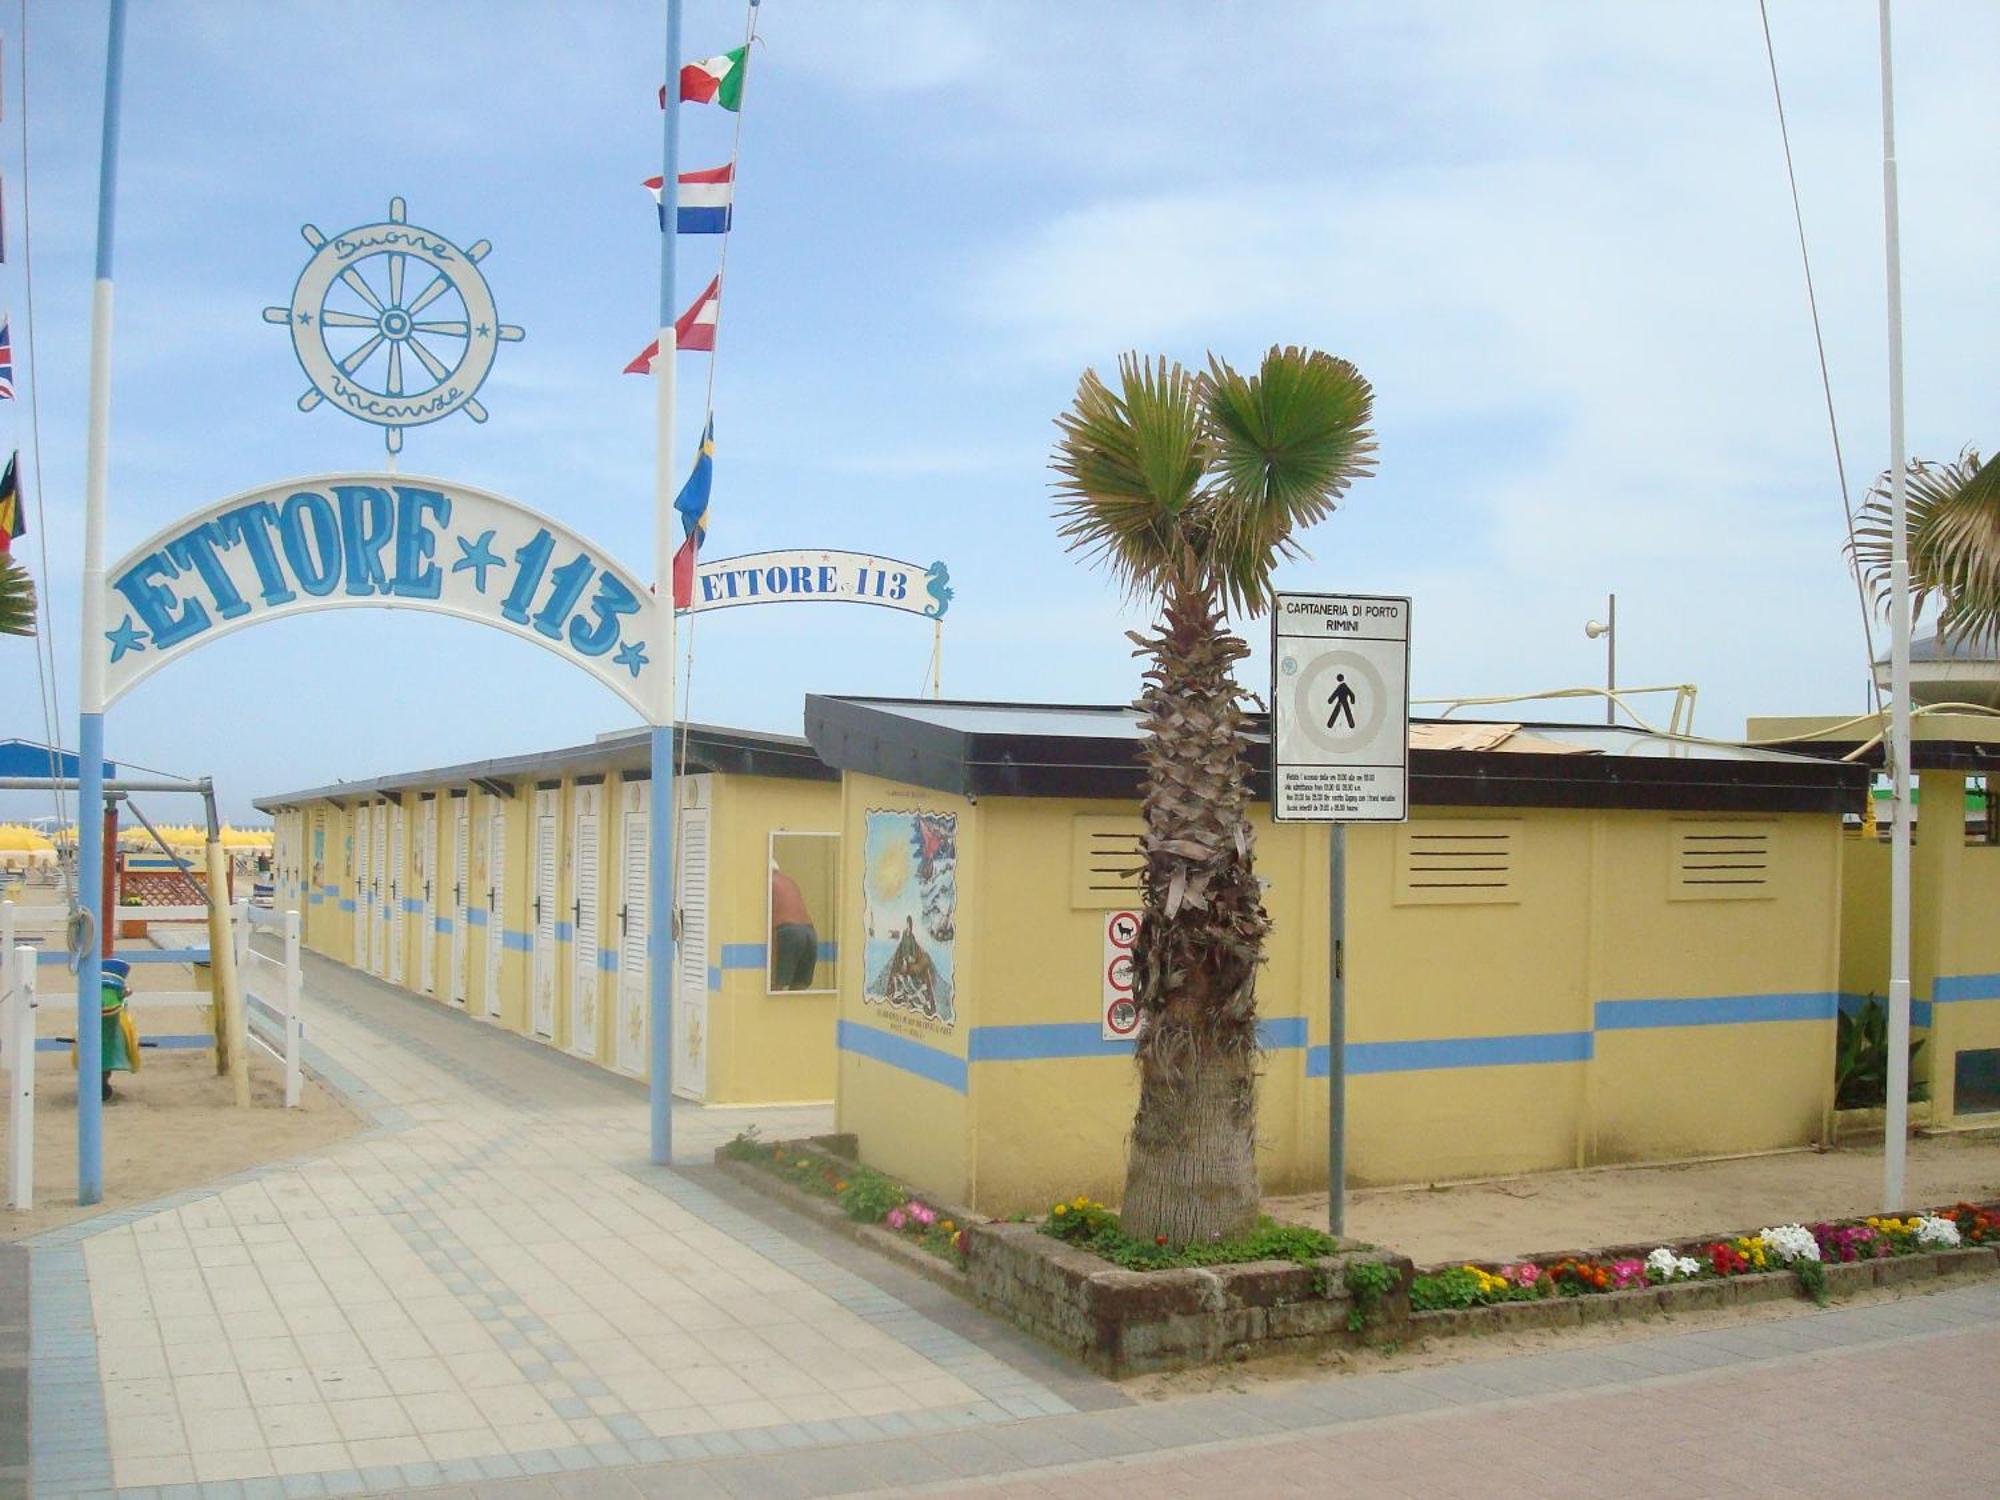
704, 200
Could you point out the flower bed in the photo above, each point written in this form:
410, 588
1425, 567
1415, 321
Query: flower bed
1807, 1252
863, 1194
1094, 1227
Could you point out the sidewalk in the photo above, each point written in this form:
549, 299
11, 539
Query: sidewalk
490, 1282
489, 1294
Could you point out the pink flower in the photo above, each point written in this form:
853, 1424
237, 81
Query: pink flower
1526, 1274
1628, 1273
894, 1218
923, 1215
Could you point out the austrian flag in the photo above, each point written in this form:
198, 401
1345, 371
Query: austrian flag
704, 206
693, 329
714, 80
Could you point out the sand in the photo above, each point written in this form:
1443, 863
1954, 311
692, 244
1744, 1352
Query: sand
173, 1124
1558, 1211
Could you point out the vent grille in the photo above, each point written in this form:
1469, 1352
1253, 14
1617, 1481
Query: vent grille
1721, 862
1457, 862
1105, 862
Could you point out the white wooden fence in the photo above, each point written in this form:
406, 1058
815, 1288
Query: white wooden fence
272, 987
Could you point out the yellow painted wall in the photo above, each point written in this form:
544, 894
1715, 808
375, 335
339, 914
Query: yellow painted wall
1578, 1015
764, 1046
908, 1124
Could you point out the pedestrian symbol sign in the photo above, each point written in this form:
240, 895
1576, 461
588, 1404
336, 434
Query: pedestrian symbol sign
1340, 708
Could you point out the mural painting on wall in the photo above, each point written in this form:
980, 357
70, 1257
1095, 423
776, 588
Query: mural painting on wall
910, 915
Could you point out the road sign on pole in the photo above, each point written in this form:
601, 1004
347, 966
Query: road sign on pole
1340, 709
1340, 754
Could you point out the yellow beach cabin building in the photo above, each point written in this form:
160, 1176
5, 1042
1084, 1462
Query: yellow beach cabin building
1589, 944
515, 890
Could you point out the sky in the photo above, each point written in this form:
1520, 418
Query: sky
1556, 237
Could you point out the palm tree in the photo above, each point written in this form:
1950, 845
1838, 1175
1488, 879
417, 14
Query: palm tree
1188, 486
17, 598
1954, 542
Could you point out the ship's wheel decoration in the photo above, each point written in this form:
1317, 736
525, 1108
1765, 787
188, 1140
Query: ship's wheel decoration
393, 324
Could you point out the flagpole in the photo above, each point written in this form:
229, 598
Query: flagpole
661, 955
90, 717
1895, 1143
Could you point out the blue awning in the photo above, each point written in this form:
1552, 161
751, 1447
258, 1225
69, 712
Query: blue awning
27, 758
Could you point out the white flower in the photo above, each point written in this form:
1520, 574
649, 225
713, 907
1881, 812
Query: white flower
1791, 1242
1940, 1233
1664, 1265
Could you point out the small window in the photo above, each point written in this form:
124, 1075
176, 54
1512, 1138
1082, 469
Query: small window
805, 874
1105, 862
1720, 861
1976, 1082
1457, 862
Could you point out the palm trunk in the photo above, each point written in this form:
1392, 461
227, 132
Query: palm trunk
1192, 1171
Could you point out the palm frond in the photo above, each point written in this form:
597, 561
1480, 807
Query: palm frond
1954, 542
17, 598
1288, 441
1129, 465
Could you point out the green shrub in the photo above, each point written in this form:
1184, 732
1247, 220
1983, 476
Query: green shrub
869, 1195
1861, 1059
1457, 1287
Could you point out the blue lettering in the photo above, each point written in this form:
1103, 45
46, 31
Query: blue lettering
367, 518
417, 577
195, 548
707, 582
154, 602
826, 580
320, 575
613, 599
775, 580
252, 526
802, 580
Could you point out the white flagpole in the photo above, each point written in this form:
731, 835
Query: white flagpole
661, 947
90, 696
1896, 1130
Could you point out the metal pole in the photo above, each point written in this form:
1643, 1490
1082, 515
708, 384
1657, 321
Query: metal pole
1895, 1131
90, 719
1611, 662
661, 947
1336, 1035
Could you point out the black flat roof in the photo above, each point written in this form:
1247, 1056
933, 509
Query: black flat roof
741, 752
1069, 750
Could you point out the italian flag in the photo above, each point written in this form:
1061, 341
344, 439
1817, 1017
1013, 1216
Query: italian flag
714, 80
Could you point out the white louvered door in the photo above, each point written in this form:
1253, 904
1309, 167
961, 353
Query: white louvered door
584, 971
461, 893
496, 904
633, 893
395, 899
378, 892
543, 912
691, 982
357, 889
425, 878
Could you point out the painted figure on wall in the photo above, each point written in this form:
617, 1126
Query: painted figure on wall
910, 913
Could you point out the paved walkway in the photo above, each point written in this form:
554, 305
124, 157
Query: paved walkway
490, 1292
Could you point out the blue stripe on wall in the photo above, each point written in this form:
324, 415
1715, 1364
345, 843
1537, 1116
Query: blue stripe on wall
516, 942
346, 905
475, 916
565, 932
607, 960
902, 1053
1718, 1010
1961, 987
191, 1041
714, 978
412, 906
442, 924
1086, 1039
1457, 1052
1920, 1010
743, 956
315, 899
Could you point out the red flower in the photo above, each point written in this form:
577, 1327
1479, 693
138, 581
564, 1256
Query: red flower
1159, 1239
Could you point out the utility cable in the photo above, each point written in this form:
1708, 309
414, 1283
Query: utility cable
1819, 344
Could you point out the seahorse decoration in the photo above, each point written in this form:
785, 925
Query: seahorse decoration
937, 583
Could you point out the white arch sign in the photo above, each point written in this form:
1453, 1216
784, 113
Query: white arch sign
370, 540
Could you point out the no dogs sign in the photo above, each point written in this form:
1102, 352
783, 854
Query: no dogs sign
1121, 1012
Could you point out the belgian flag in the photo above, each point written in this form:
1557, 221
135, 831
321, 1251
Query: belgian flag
13, 516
